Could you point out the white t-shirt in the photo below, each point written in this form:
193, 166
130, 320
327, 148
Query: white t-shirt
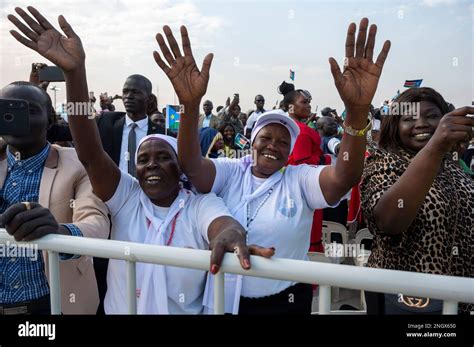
252, 119
185, 287
284, 220
140, 131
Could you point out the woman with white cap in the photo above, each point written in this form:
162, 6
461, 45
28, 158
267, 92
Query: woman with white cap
275, 203
153, 208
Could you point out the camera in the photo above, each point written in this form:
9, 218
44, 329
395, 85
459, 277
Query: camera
14, 117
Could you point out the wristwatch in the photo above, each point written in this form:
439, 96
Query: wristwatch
357, 132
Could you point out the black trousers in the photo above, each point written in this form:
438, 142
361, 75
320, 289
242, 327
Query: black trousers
100, 268
296, 299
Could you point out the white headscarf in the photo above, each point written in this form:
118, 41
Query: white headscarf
151, 278
170, 140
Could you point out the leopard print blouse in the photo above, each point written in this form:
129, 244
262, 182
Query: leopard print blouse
441, 238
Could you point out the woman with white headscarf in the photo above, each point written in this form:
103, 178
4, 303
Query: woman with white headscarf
275, 203
153, 208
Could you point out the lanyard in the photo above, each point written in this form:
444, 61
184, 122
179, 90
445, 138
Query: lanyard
173, 227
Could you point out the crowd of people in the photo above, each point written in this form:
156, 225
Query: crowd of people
256, 183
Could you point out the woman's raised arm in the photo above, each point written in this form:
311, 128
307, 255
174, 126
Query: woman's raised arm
190, 85
68, 54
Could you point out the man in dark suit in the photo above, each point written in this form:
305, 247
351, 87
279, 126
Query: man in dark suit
118, 129
114, 127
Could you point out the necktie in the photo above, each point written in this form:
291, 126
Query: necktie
132, 148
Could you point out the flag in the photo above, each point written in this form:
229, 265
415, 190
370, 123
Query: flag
241, 141
412, 83
172, 117
292, 75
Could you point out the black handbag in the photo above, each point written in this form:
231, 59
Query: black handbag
404, 304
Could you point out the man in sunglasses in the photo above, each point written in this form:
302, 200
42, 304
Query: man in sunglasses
259, 103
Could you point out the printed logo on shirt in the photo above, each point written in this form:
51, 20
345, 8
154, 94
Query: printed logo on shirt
287, 207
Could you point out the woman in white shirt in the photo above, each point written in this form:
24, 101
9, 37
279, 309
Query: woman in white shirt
151, 209
275, 203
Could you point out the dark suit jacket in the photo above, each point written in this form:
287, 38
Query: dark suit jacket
110, 129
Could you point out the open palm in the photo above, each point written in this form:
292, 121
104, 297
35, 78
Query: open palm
358, 82
189, 83
64, 51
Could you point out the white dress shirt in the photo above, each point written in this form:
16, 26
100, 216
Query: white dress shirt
141, 130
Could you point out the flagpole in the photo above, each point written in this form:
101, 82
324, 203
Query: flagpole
167, 123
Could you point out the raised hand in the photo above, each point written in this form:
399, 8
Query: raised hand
64, 51
189, 83
358, 81
455, 129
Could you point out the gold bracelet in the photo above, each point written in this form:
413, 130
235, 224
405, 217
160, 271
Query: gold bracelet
356, 132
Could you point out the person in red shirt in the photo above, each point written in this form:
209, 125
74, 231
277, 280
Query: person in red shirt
307, 148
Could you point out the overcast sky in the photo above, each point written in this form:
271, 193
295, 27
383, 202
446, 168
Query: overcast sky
255, 43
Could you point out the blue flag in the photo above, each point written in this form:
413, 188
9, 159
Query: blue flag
412, 83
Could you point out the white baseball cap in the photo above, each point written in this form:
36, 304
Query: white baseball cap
276, 117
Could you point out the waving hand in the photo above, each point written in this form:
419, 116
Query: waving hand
64, 51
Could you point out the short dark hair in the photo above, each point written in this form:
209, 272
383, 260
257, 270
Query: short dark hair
389, 137
222, 125
51, 113
146, 81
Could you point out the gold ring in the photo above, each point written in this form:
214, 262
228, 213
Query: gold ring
27, 204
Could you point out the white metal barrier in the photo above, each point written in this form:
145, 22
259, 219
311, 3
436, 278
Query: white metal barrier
450, 289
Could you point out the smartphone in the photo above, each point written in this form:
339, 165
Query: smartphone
14, 117
51, 74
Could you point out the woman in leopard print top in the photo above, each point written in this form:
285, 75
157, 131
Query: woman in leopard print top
417, 201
